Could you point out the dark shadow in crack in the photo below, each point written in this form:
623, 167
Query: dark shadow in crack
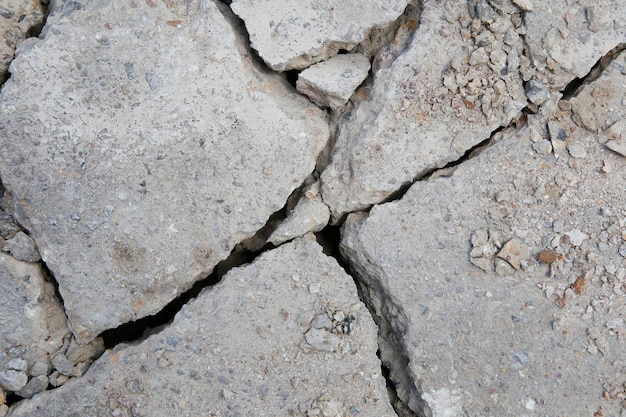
575, 86
329, 238
243, 253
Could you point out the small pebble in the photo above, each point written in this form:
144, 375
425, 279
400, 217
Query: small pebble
314, 288
577, 150
547, 256
576, 237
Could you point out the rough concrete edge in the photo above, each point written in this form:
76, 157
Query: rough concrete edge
390, 318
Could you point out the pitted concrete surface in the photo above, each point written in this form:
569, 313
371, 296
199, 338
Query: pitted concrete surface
177, 177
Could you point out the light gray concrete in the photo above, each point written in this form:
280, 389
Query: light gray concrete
143, 146
244, 348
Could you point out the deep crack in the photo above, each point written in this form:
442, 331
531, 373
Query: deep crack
329, 239
576, 85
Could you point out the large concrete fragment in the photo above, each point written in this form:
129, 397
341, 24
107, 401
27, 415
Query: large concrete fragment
293, 34
143, 145
429, 106
18, 20
500, 288
284, 336
566, 39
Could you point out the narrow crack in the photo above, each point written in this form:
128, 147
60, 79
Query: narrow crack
329, 238
243, 253
577, 84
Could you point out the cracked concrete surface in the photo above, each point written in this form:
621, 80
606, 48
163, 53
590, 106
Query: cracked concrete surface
145, 146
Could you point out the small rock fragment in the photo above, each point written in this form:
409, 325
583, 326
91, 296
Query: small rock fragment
322, 340
22, 247
543, 147
514, 252
599, 18
577, 150
536, 92
576, 237
525, 5
308, 216
12, 380
557, 137
331, 83
547, 256
34, 386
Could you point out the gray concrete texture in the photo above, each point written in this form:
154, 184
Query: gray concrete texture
470, 152
133, 192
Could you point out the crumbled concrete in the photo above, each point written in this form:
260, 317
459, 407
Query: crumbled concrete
293, 34
501, 274
566, 39
18, 20
602, 104
143, 144
331, 83
242, 348
428, 108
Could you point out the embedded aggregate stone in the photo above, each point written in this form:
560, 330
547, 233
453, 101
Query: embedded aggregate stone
241, 348
22, 248
547, 307
142, 144
427, 108
293, 34
331, 83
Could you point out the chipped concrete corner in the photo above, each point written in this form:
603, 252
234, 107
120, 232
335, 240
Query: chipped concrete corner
434, 189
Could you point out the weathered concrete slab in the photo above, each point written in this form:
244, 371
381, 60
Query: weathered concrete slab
502, 284
142, 145
331, 83
428, 107
293, 34
18, 19
286, 335
566, 39
310, 215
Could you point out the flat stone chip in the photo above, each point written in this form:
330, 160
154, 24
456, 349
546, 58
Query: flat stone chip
240, 349
143, 145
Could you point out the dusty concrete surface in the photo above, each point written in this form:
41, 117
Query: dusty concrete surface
284, 336
476, 176
132, 193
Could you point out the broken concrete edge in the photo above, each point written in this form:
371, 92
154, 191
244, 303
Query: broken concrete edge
110, 372
269, 31
389, 316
